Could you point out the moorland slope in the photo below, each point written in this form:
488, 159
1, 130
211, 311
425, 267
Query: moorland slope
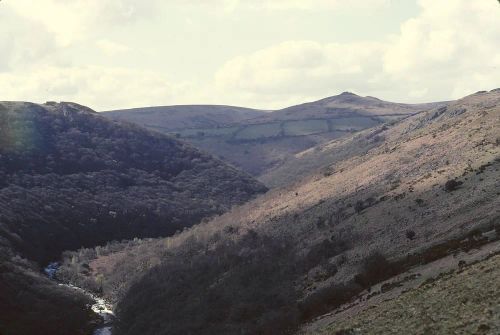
257, 141
426, 187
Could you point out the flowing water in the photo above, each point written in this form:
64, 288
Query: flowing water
100, 306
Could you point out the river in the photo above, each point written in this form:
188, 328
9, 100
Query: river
101, 307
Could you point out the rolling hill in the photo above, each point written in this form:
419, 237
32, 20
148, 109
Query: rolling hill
345, 104
174, 118
71, 178
257, 141
426, 188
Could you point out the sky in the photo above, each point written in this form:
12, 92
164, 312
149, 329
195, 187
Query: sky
112, 54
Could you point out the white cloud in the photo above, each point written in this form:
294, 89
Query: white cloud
451, 49
53, 49
22, 41
35, 65
299, 68
111, 48
314, 4
280, 5
71, 20
233, 7
97, 87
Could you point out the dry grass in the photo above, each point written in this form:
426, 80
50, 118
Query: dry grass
461, 302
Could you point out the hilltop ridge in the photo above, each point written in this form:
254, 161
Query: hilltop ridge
258, 141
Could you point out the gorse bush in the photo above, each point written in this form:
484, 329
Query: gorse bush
326, 249
410, 234
376, 268
452, 185
327, 298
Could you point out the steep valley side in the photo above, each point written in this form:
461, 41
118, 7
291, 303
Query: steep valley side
70, 178
427, 188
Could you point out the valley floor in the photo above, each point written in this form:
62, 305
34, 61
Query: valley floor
465, 300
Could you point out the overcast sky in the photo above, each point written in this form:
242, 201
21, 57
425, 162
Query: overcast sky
110, 54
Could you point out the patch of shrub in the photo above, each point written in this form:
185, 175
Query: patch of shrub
452, 185
376, 268
420, 202
359, 206
327, 298
324, 250
410, 234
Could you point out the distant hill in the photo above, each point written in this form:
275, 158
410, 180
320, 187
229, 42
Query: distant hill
384, 200
70, 178
257, 141
346, 104
172, 118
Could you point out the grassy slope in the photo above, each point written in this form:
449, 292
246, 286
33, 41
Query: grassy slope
258, 142
460, 302
318, 158
173, 118
303, 163
344, 104
331, 222
258, 156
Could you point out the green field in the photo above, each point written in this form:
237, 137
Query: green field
307, 127
253, 132
356, 123
208, 132
281, 129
